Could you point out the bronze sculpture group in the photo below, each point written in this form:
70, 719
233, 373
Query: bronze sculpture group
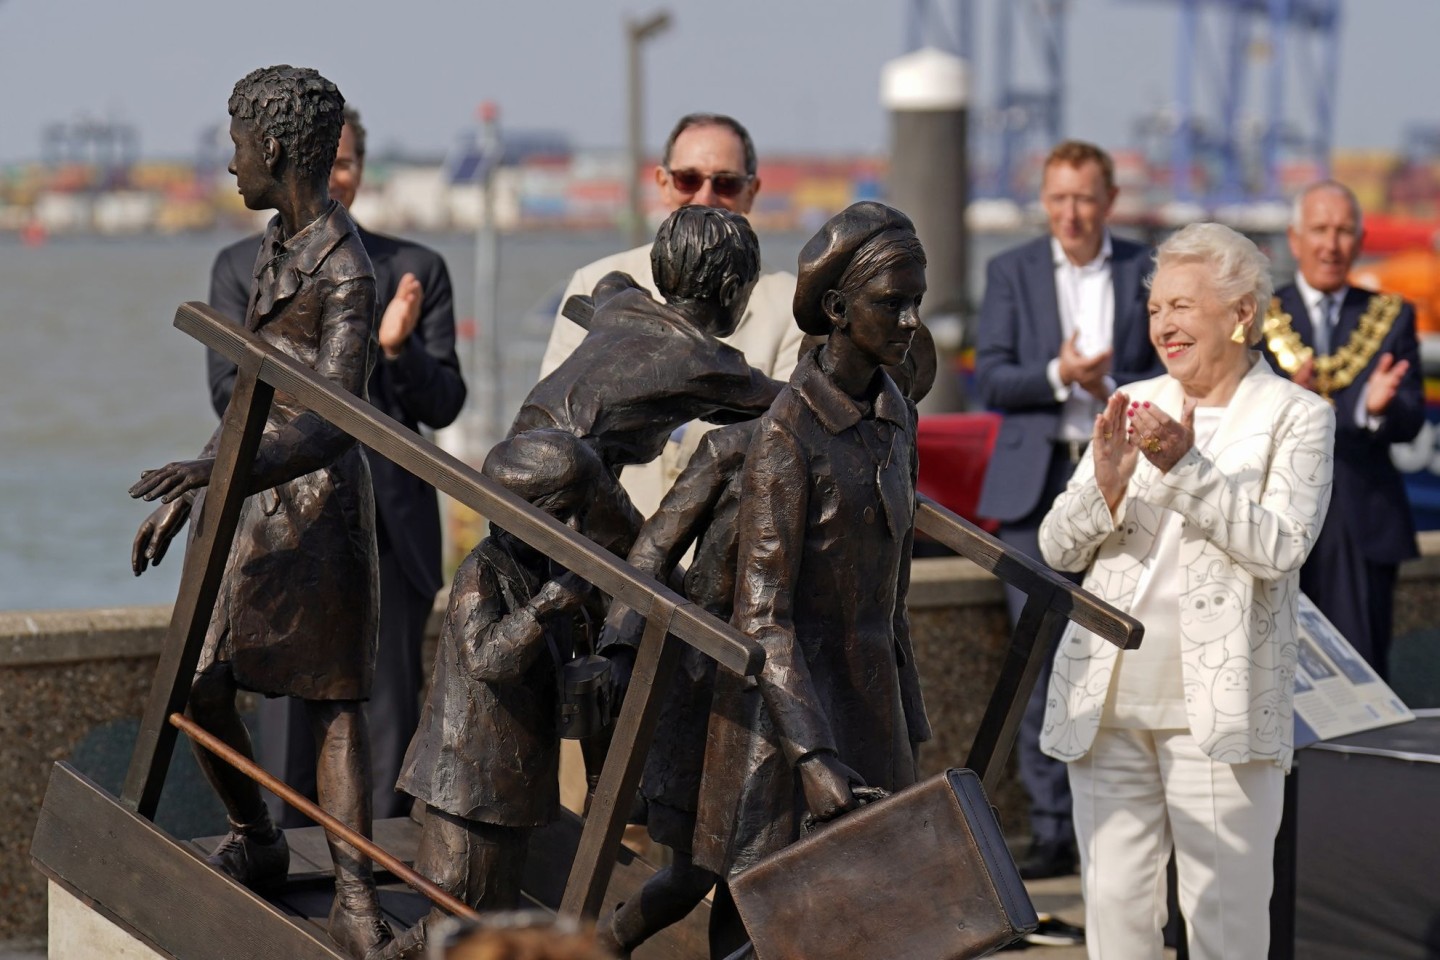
800, 512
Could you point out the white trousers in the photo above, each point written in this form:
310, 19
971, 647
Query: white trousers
1138, 794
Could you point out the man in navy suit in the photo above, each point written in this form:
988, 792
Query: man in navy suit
416, 380
1063, 323
1374, 381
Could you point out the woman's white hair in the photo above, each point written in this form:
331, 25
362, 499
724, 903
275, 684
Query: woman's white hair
1238, 270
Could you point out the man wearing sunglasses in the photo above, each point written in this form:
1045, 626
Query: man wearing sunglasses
709, 160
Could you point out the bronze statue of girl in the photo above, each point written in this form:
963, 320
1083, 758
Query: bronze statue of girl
826, 514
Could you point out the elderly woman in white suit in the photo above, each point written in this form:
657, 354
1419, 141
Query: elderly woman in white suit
1204, 491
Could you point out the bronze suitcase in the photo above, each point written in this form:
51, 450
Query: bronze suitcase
923, 874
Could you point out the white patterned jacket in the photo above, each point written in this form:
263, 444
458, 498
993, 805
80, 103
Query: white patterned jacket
1252, 506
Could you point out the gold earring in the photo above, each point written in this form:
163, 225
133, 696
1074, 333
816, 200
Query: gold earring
1238, 334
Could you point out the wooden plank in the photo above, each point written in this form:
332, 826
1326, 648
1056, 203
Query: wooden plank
152, 885
412, 452
655, 664
199, 586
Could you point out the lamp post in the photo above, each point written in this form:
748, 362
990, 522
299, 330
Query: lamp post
485, 347
636, 33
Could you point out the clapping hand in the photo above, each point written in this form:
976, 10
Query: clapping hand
1114, 456
1089, 372
1380, 389
1304, 375
1159, 436
401, 315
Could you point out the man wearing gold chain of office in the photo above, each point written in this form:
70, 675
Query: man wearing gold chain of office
1358, 349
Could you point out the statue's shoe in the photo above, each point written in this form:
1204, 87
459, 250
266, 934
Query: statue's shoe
409, 945
251, 861
358, 928
608, 938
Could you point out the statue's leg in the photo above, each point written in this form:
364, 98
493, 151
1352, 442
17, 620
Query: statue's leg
212, 705
727, 932
497, 862
443, 858
667, 898
475, 862
342, 780
255, 850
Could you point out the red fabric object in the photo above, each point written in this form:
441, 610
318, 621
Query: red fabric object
954, 452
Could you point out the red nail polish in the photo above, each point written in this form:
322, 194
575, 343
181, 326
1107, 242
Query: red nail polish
1147, 404
1129, 413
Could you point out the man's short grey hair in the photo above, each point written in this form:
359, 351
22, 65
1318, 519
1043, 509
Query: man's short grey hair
1238, 270
1297, 208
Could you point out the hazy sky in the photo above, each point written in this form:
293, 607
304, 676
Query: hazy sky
803, 74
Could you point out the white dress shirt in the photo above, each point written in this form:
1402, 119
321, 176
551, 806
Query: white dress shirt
1085, 295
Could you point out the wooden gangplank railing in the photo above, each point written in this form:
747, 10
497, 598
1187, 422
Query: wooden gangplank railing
262, 369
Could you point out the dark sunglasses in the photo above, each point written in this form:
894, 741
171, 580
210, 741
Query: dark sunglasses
726, 185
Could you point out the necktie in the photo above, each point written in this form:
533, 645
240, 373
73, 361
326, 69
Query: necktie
1326, 327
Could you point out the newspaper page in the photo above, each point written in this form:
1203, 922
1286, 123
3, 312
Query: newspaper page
1336, 691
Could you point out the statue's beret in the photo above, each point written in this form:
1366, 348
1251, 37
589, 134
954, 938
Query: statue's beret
825, 256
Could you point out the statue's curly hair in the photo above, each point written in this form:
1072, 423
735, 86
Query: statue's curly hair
698, 248
299, 108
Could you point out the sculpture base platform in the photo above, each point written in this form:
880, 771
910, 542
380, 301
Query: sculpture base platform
122, 884
79, 932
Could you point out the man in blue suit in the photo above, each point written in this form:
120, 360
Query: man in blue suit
1357, 348
1062, 324
416, 380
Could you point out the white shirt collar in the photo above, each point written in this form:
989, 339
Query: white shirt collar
1313, 297
1101, 259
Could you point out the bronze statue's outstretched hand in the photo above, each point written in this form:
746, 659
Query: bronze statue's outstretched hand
155, 534
827, 784
173, 479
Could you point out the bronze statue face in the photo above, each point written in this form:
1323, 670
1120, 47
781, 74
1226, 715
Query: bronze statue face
250, 164
735, 309
882, 318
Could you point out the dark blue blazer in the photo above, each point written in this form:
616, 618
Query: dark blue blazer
1017, 337
421, 386
1368, 499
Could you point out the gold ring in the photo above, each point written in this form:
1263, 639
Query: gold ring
1152, 444
1106, 435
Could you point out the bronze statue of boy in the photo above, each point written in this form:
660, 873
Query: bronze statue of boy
298, 606
485, 759
647, 367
